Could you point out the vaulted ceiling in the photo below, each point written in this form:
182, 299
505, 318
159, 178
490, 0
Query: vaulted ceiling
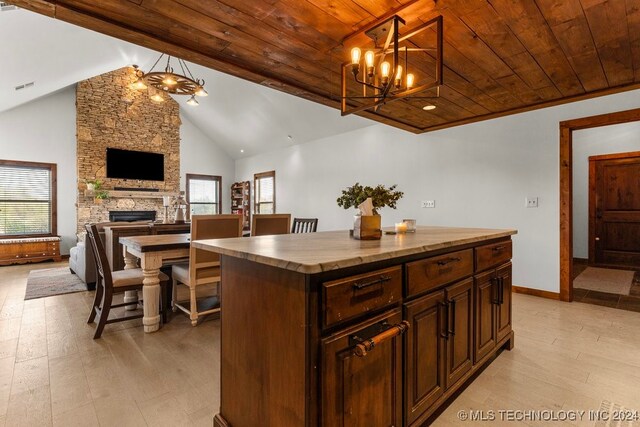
500, 56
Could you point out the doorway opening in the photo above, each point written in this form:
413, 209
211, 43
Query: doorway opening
608, 185
614, 229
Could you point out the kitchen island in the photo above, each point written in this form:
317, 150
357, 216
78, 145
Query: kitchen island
320, 329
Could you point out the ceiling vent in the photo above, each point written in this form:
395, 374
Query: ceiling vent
5, 7
24, 86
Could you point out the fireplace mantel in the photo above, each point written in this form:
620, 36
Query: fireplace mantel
114, 194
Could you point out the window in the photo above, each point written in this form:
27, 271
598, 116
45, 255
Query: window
203, 194
27, 199
265, 190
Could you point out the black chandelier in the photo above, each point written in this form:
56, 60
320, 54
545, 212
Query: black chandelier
386, 72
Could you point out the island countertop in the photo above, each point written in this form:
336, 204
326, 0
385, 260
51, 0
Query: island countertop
312, 253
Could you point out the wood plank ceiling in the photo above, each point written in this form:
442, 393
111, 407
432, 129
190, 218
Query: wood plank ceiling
501, 56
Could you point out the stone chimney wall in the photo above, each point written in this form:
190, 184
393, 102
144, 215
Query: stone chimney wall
111, 115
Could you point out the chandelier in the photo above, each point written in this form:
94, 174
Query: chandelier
169, 81
395, 67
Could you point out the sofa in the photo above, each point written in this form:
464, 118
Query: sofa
81, 259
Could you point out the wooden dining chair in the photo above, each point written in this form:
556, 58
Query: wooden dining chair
203, 267
109, 283
268, 224
304, 225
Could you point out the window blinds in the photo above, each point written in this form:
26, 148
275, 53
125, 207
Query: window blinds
204, 196
25, 200
265, 193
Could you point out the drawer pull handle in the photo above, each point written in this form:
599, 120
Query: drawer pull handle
366, 346
363, 285
498, 248
448, 260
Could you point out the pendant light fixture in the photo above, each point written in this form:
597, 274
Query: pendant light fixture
169, 81
393, 66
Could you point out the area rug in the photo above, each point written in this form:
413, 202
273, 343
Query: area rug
605, 280
52, 281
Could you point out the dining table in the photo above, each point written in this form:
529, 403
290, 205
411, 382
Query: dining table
152, 251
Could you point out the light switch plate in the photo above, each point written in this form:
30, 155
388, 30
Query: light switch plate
428, 204
531, 202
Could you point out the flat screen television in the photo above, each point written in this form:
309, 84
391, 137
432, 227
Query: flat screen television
139, 165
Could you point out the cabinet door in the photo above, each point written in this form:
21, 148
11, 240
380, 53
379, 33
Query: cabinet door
485, 315
503, 318
424, 354
459, 357
362, 391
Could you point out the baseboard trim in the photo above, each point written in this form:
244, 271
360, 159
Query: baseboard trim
536, 292
64, 257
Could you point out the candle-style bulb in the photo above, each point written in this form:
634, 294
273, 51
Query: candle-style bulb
355, 55
410, 80
369, 59
399, 76
385, 68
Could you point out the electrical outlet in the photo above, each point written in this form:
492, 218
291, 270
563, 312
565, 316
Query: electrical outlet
531, 202
428, 204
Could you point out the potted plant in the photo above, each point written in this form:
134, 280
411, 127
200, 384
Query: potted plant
93, 184
368, 227
100, 195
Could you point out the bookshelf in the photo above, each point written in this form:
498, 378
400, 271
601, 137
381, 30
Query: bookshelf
241, 202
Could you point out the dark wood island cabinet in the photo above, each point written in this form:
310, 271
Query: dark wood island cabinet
324, 330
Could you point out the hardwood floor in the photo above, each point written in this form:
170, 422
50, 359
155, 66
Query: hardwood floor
566, 357
53, 373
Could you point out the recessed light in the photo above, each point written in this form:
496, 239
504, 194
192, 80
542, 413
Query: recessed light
242, 151
429, 107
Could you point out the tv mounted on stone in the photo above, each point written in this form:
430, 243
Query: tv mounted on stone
135, 165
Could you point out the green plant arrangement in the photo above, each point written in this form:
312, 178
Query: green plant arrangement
101, 195
93, 184
381, 196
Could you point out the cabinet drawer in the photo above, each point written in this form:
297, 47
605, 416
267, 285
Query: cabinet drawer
432, 272
494, 254
349, 297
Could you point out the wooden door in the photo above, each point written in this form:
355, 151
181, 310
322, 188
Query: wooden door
614, 209
503, 315
485, 314
459, 355
424, 354
362, 391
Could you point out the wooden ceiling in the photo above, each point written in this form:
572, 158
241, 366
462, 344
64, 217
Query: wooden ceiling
500, 56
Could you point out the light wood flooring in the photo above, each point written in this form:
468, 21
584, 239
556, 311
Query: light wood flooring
53, 372
566, 357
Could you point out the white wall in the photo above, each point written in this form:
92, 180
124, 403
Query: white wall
478, 174
591, 142
44, 130
198, 154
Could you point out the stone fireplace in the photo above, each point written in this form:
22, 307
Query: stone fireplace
110, 114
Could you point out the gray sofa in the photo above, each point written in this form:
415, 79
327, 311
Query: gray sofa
81, 259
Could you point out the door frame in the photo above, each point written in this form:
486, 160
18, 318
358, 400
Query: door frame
592, 195
566, 187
